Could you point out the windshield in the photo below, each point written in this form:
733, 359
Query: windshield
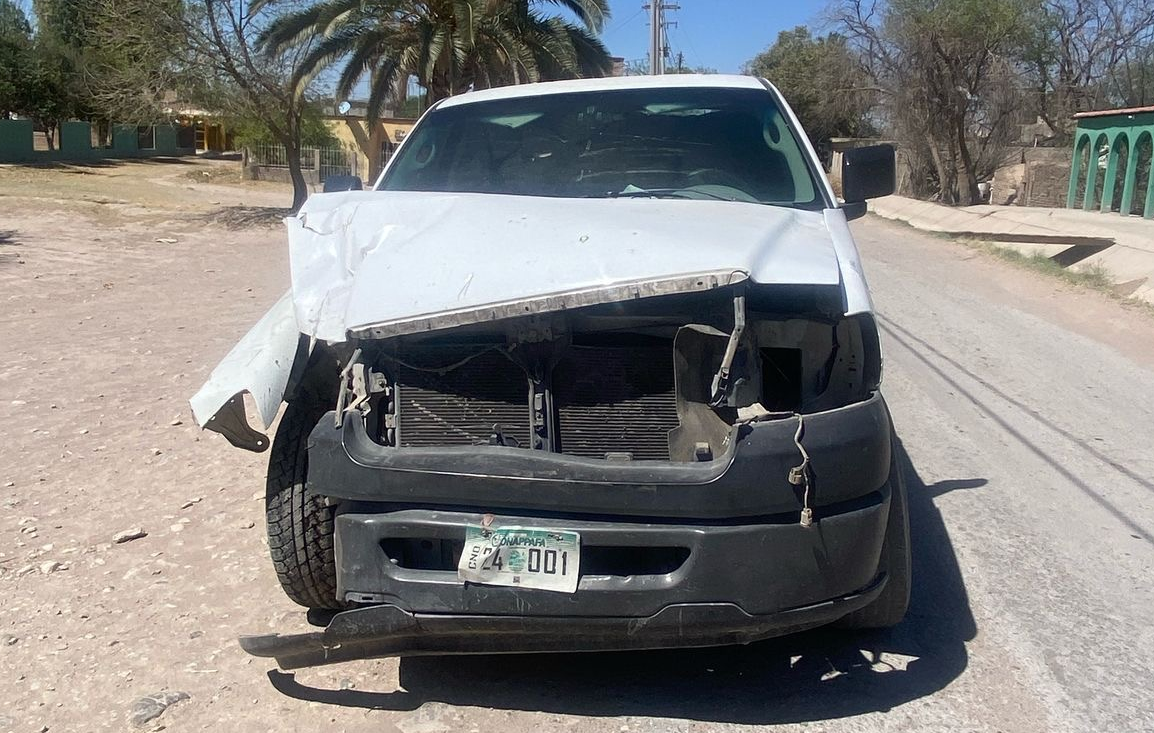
706, 143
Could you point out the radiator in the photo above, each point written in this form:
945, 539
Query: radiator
615, 399
463, 406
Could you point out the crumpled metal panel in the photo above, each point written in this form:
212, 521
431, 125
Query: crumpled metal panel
260, 365
374, 264
392, 262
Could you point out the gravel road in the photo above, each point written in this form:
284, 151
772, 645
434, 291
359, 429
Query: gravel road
1024, 407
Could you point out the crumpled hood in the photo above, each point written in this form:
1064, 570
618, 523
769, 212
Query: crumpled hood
388, 263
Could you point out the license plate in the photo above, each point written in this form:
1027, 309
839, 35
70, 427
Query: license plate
522, 557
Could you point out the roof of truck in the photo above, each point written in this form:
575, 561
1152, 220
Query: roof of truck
667, 81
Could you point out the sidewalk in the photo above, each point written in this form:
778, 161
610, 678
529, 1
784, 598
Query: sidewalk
1124, 246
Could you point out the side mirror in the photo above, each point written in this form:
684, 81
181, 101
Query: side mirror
866, 173
343, 183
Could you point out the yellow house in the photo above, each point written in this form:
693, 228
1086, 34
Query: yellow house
372, 143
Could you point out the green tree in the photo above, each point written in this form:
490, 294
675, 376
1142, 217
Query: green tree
15, 58
821, 80
52, 92
131, 59
63, 21
450, 46
106, 60
54, 76
249, 131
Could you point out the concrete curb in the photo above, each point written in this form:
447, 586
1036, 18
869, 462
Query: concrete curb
1123, 246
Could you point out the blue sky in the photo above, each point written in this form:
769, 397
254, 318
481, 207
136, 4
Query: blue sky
720, 34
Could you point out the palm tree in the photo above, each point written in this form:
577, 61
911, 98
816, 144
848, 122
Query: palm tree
450, 46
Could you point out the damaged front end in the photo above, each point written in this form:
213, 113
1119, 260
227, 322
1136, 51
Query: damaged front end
658, 379
724, 456
707, 422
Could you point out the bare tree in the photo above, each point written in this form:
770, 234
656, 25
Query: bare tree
945, 74
231, 75
1085, 53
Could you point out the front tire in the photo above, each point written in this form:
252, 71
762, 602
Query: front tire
300, 526
889, 608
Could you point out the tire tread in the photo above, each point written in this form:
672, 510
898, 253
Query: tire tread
300, 526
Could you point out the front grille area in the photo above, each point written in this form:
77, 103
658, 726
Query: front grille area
461, 406
608, 399
616, 400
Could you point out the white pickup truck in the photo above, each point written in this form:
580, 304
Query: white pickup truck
592, 366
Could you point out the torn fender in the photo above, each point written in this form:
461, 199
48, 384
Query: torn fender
261, 364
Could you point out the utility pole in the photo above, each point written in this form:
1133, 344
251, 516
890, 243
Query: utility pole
658, 48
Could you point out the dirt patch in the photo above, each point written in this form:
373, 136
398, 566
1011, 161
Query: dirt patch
113, 315
221, 172
145, 188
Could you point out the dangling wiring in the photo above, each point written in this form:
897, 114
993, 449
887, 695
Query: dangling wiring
799, 475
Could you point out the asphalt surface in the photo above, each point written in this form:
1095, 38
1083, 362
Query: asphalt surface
1027, 413
1024, 408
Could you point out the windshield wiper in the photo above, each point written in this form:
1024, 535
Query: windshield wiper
667, 193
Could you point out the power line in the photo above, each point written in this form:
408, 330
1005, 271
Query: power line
620, 25
683, 41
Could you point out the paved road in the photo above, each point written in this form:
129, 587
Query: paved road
1025, 411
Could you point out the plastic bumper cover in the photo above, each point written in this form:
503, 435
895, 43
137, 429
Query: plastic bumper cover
384, 631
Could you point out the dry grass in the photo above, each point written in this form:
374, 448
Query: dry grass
1092, 276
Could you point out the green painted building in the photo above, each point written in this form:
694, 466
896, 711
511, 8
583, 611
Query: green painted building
1111, 171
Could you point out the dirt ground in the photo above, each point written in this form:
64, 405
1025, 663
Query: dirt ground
121, 286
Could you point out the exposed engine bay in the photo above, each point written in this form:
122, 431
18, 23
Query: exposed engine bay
657, 379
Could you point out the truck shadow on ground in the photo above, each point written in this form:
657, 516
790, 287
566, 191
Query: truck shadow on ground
817, 675
9, 251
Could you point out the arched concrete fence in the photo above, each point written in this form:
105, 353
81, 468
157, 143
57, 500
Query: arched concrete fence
1112, 167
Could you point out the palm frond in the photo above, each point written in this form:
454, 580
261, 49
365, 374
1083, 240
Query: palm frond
591, 13
447, 44
296, 28
325, 53
382, 86
371, 46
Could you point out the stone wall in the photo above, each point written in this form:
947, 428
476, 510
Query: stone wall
1040, 177
1047, 183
